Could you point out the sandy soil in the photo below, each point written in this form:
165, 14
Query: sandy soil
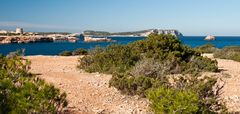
87, 93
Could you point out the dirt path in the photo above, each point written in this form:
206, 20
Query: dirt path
231, 90
87, 93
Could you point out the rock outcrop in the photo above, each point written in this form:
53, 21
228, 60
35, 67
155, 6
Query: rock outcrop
210, 37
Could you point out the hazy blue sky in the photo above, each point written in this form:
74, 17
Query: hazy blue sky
191, 17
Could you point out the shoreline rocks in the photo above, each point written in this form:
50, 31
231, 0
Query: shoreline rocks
32, 39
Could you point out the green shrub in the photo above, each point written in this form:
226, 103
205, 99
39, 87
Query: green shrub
163, 47
208, 91
231, 52
151, 68
192, 94
207, 48
133, 85
114, 58
22, 92
170, 101
80, 52
66, 53
198, 64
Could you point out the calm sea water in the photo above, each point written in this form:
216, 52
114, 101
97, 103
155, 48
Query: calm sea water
53, 48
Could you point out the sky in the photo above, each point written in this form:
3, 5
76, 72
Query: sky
190, 17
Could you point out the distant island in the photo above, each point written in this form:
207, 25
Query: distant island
94, 36
142, 33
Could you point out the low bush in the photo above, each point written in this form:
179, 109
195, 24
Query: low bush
208, 91
150, 68
198, 64
170, 101
66, 53
188, 95
230, 52
133, 85
22, 92
80, 52
207, 48
114, 58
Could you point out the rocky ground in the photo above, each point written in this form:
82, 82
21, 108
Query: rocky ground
89, 93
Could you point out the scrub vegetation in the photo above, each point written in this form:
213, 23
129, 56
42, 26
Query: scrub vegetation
149, 67
22, 92
230, 52
79, 51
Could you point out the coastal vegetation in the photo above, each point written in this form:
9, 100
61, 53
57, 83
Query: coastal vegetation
229, 52
79, 51
22, 92
207, 48
65, 53
162, 69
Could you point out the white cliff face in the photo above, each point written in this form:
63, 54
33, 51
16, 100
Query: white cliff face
162, 31
172, 32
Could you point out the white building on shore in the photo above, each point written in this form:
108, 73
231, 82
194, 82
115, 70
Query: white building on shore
19, 30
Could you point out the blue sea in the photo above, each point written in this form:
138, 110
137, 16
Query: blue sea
54, 48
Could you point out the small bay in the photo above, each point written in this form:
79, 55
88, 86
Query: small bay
54, 48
